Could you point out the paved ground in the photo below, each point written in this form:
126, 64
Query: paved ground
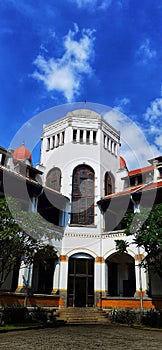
82, 338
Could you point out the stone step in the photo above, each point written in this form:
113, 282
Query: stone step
81, 315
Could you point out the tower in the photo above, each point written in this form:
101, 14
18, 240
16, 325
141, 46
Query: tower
80, 153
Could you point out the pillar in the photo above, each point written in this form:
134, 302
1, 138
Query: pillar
91, 136
141, 277
63, 280
56, 278
84, 136
56, 141
100, 280
25, 277
78, 136
105, 141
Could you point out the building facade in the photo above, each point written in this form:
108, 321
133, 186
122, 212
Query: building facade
85, 190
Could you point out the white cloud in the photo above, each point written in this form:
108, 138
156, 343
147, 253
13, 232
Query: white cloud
134, 146
65, 74
155, 110
153, 118
93, 4
158, 141
121, 103
145, 52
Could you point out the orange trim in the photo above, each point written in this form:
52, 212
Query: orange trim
132, 189
138, 257
61, 303
138, 293
63, 258
50, 301
111, 303
140, 170
99, 259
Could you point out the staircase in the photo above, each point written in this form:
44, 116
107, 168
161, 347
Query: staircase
81, 315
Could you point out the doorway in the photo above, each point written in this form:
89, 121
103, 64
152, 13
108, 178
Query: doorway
80, 281
121, 275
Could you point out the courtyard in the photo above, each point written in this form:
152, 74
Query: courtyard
84, 337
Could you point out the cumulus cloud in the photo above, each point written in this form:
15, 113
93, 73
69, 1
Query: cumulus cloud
134, 146
145, 52
66, 73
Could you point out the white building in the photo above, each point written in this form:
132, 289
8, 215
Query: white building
81, 159
81, 156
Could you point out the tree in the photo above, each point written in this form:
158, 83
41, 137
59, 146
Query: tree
147, 228
16, 243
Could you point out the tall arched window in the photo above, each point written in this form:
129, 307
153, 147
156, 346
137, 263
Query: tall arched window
108, 184
53, 179
83, 196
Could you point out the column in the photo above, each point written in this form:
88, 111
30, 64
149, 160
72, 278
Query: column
77, 136
51, 142
60, 140
84, 136
56, 277
112, 146
91, 136
109, 145
63, 280
141, 277
25, 277
100, 280
47, 144
56, 140
105, 141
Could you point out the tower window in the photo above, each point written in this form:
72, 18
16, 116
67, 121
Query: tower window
94, 136
48, 144
108, 184
81, 136
74, 135
53, 179
63, 137
53, 141
88, 136
83, 196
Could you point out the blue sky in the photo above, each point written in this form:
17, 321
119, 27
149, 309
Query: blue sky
108, 52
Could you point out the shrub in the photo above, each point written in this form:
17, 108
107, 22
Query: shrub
152, 318
124, 317
39, 315
15, 314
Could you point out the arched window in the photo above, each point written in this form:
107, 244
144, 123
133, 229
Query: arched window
83, 196
53, 179
108, 184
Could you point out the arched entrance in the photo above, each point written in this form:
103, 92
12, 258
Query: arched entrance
121, 275
80, 280
43, 272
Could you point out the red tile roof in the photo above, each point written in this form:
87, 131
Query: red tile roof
138, 188
140, 170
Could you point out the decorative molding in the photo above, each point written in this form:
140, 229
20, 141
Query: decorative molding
82, 235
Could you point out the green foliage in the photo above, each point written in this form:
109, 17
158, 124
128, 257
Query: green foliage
121, 246
16, 243
124, 317
146, 227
